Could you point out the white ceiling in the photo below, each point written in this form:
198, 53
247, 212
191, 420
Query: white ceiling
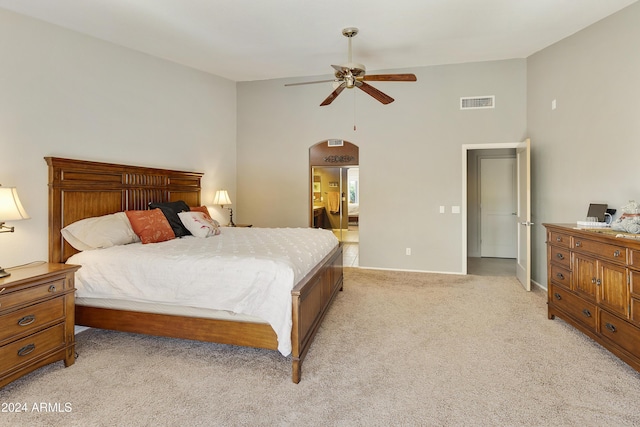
245, 40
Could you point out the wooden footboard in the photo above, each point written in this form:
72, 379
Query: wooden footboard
311, 300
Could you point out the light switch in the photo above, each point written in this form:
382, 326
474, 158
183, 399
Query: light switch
441, 209
455, 209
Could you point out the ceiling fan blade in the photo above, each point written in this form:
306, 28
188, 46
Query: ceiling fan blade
333, 95
391, 78
384, 98
310, 83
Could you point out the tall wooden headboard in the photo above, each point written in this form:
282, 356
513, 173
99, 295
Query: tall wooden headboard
81, 189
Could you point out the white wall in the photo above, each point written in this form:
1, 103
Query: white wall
409, 154
588, 149
68, 95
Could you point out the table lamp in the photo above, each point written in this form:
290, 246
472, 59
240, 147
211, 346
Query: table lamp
222, 198
10, 210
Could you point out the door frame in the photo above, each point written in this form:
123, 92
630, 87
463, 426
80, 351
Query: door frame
332, 153
465, 149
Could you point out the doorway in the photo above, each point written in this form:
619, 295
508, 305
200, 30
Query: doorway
491, 208
471, 224
335, 193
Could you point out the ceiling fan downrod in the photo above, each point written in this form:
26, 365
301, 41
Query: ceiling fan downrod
350, 33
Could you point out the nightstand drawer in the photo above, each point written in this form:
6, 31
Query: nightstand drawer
34, 293
31, 318
22, 351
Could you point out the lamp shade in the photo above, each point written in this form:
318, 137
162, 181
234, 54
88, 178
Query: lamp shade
221, 198
10, 207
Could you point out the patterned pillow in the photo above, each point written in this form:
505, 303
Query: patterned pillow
198, 224
202, 209
151, 225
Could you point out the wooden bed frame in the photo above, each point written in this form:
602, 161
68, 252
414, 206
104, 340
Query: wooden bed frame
80, 189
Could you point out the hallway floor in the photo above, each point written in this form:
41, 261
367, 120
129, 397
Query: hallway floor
491, 266
350, 253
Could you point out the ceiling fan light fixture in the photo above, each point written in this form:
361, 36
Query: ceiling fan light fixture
350, 81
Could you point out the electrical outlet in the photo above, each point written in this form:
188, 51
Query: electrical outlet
408, 251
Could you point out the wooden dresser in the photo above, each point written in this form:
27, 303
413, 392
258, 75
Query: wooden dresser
36, 319
593, 281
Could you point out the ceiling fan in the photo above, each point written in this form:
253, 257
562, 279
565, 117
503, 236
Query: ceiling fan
352, 75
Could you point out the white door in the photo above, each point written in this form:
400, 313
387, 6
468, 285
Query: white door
523, 261
498, 229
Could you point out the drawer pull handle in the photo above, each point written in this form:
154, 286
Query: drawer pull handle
559, 256
610, 328
27, 320
26, 349
616, 253
598, 282
593, 280
560, 276
558, 296
578, 244
52, 288
586, 312
558, 239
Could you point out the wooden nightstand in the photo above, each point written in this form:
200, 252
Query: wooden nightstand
36, 319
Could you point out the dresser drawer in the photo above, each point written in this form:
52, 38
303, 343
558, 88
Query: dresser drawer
559, 239
31, 318
561, 276
620, 332
31, 294
22, 351
579, 309
561, 256
603, 250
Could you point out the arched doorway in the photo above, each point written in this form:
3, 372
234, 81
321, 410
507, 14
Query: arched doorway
335, 188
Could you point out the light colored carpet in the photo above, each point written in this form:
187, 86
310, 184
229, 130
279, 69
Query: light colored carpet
395, 349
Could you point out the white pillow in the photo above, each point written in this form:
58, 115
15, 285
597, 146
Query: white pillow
100, 232
199, 224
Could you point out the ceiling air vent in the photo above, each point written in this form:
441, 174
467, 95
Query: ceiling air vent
476, 102
335, 143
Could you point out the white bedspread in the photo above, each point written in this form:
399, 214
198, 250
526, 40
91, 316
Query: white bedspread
244, 270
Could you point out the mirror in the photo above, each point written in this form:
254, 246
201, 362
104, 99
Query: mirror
317, 188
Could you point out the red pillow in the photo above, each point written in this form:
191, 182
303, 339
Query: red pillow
202, 209
151, 225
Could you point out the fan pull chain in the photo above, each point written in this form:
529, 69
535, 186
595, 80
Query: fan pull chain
354, 109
